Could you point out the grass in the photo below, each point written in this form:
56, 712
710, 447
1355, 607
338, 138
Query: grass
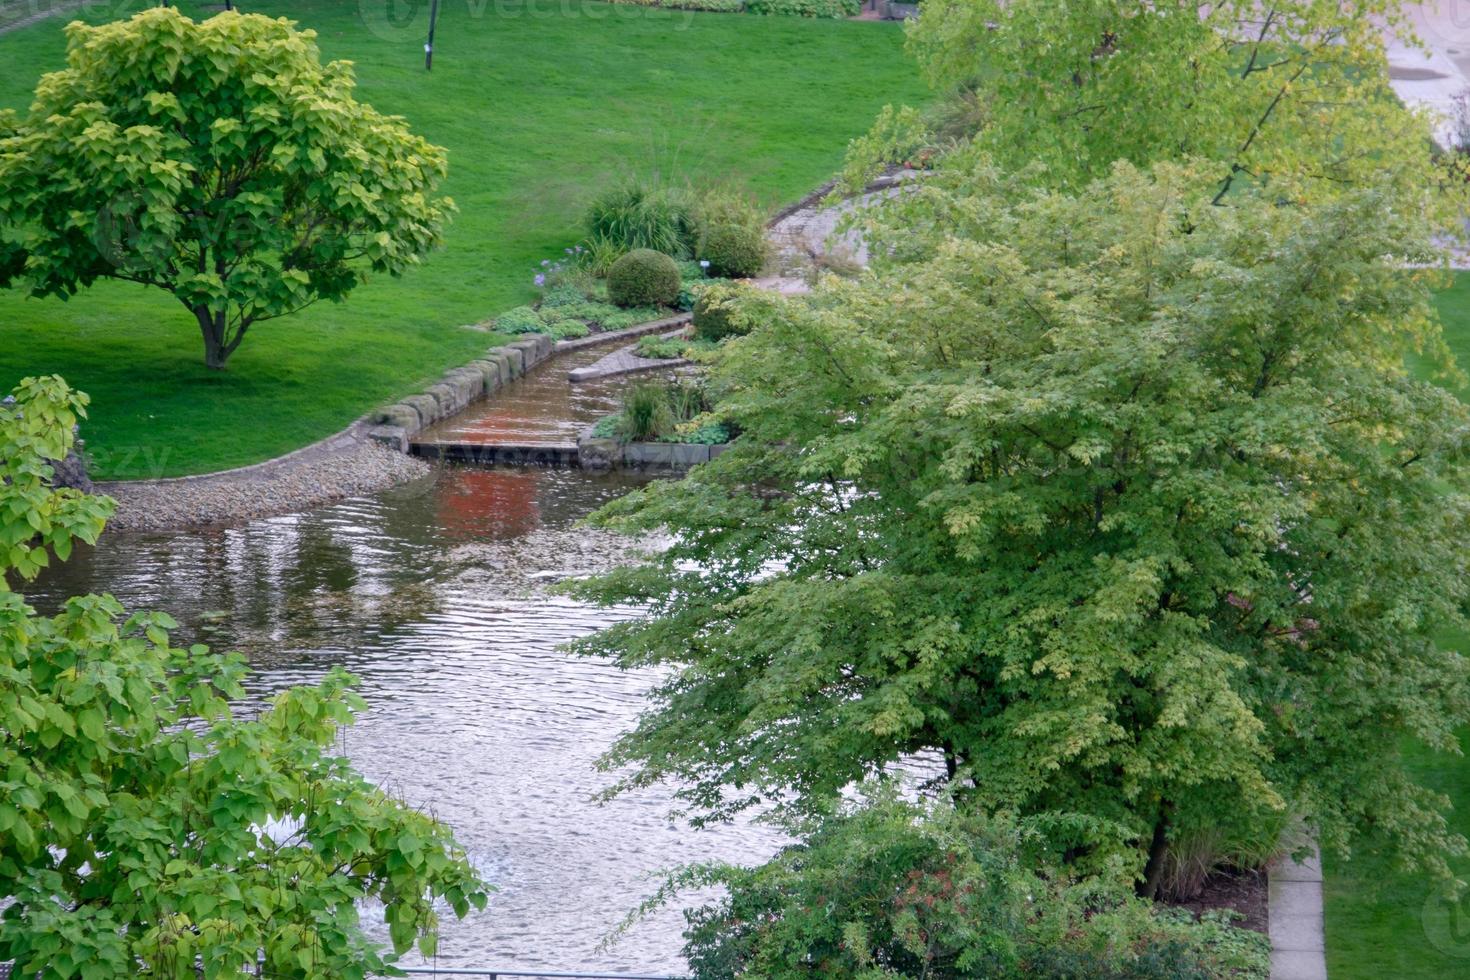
540, 106
1383, 922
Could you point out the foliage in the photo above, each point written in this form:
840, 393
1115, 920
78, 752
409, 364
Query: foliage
566, 328
729, 310
662, 348
1122, 506
731, 235
563, 295
643, 277
892, 889
220, 162
806, 8
157, 412
522, 319
639, 214
699, 434
1285, 97
143, 824
646, 413
674, 410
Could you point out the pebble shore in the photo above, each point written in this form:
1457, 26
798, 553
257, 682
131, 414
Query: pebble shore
167, 505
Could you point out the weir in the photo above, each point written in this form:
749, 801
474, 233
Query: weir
534, 420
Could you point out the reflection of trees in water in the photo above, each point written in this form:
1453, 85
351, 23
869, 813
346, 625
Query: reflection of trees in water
494, 503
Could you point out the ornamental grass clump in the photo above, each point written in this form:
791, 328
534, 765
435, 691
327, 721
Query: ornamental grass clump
643, 277
638, 214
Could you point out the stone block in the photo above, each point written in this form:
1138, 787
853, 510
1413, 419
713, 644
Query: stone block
686, 455
395, 437
512, 360
715, 452
527, 346
468, 380
426, 406
594, 453
450, 398
649, 454
489, 372
399, 414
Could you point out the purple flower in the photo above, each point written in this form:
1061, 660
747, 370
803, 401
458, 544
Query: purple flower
545, 263
540, 280
569, 251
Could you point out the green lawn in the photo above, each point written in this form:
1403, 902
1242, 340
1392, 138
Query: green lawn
539, 105
1383, 923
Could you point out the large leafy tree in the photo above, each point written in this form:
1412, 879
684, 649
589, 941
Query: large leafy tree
1122, 505
220, 161
1290, 95
144, 825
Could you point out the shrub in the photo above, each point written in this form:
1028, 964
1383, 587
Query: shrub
731, 235
647, 413
566, 329
806, 8
599, 253
893, 889
635, 215
522, 319
563, 295
643, 277
729, 310
662, 348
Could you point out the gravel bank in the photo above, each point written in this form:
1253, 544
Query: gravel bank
166, 505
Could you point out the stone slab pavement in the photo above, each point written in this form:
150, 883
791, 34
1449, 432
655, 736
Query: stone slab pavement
1295, 922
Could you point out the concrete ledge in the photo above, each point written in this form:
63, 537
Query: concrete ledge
639, 330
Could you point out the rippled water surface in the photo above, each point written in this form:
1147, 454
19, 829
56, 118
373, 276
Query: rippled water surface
434, 594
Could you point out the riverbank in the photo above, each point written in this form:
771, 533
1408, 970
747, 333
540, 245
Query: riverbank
281, 487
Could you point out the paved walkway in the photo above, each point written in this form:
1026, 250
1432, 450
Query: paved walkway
1295, 920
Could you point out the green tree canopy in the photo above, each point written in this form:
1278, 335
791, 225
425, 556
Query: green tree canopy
888, 889
1124, 506
220, 161
1291, 95
143, 824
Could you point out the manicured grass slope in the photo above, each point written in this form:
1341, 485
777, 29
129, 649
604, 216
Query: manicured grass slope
1376, 913
538, 108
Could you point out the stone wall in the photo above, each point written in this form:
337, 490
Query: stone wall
396, 424
596, 452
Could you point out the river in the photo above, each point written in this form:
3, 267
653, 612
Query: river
435, 594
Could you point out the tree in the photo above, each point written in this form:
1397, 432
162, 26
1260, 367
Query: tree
1121, 506
144, 826
220, 161
887, 889
1290, 95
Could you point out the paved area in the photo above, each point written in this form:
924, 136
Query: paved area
1436, 75
1298, 951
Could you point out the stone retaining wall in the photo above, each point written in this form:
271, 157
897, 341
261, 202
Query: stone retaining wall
396, 424
599, 453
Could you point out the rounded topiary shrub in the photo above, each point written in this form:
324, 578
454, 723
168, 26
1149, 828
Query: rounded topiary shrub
643, 277
735, 250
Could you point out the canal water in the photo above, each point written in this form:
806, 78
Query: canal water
436, 595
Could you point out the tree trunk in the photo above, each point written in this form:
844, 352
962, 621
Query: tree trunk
1153, 871
212, 326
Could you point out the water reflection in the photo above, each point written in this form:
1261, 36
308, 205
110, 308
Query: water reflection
434, 593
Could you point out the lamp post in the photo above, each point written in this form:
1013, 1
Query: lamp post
429, 46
